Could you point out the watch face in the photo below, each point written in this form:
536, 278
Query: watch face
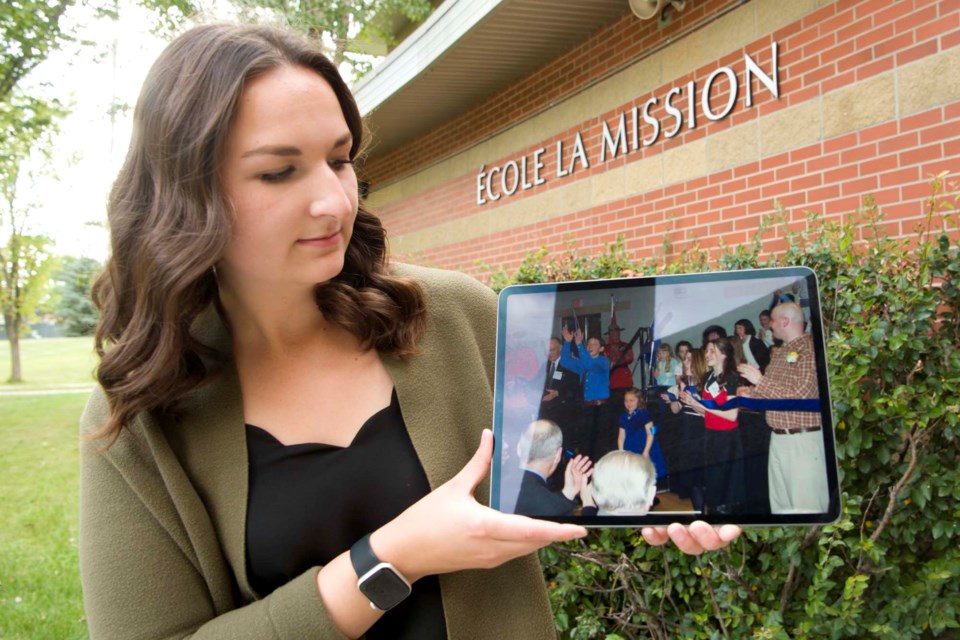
383, 587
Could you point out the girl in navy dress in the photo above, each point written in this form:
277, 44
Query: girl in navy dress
636, 431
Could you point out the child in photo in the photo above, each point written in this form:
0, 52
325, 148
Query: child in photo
637, 431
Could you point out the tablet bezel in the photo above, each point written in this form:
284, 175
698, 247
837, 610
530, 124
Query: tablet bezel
716, 277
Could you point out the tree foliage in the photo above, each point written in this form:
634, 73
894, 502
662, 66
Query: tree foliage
30, 30
344, 22
890, 568
73, 306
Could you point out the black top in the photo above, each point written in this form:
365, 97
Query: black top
535, 499
308, 503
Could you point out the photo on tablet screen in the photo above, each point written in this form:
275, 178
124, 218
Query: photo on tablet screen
665, 399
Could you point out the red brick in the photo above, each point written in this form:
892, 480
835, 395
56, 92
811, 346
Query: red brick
916, 18
840, 143
803, 153
737, 211
897, 143
841, 174
855, 60
796, 42
775, 189
820, 45
758, 179
893, 12
938, 166
859, 187
875, 68
951, 148
886, 197
790, 171
915, 191
941, 132
919, 155
948, 7
734, 239
820, 163
806, 182
837, 23
952, 111
746, 169
761, 206
746, 196
950, 40
872, 37
878, 165
721, 176
877, 132
719, 203
938, 27
819, 74
719, 228
838, 82
893, 45
921, 50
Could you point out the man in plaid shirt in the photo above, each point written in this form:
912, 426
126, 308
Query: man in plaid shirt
797, 469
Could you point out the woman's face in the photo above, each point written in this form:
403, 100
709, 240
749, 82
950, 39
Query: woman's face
662, 354
714, 356
741, 330
682, 351
630, 402
287, 175
687, 362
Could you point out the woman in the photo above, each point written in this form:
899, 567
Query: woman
687, 462
268, 422
723, 452
755, 352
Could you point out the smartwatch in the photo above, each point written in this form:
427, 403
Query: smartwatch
379, 581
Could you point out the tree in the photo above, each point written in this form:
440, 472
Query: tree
25, 261
30, 30
74, 306
349, 28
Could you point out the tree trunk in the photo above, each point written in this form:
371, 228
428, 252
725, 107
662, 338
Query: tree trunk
13, 335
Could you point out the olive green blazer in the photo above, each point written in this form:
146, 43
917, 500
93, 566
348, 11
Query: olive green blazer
163, 510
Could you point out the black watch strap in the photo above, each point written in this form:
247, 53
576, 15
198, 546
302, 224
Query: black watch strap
379, 581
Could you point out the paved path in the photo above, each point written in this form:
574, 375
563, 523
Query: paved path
45, 390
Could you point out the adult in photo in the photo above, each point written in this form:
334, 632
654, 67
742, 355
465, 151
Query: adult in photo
797, 468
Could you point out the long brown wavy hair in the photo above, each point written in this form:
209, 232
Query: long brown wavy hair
170, 224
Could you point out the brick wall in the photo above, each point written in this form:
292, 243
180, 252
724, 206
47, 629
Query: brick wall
870, 104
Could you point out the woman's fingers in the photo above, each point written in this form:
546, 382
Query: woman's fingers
515, 528
695, 539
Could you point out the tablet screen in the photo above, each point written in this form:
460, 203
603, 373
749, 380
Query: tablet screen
665, 399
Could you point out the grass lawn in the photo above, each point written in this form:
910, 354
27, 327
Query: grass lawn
39, 579
50, 361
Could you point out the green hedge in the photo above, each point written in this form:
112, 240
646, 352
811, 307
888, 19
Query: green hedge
890, 568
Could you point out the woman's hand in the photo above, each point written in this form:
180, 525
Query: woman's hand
695, 539
692, 401
448, 530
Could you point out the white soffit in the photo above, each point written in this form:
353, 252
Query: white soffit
467, 51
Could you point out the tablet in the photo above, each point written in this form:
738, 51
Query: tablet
650, 400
